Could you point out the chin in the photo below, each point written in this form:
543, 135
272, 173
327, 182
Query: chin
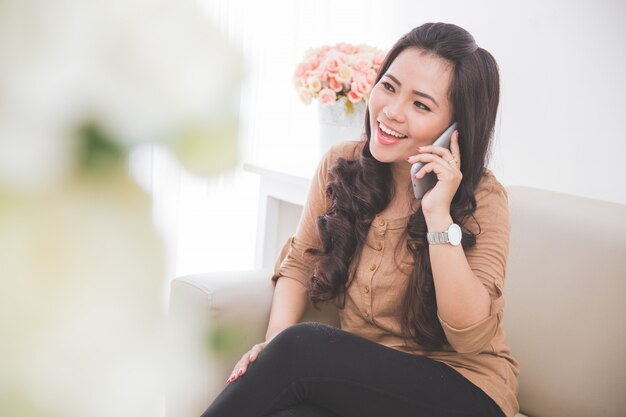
387, 153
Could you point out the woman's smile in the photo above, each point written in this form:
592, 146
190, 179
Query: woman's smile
388, 136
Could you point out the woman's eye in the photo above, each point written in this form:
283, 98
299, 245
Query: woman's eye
387, 86
422, 106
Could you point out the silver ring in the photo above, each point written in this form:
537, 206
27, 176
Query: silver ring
452, 160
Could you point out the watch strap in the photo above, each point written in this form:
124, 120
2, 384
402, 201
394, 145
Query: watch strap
436, 238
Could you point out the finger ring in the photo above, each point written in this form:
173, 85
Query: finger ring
452, 161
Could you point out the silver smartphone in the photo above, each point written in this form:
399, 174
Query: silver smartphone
428, 181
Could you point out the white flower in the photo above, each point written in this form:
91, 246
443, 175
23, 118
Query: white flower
305, 95
142, 70
345, 73
80, 295
314, 84
81, 265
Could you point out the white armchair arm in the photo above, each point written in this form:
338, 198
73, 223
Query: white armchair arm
214, 318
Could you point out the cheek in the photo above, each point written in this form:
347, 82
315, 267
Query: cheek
375, 99
419, 125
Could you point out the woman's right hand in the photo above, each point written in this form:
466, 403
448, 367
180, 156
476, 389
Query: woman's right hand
289, 303
246, 359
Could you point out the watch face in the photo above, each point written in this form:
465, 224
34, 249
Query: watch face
455, 234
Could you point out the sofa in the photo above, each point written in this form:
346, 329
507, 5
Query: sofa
564, 316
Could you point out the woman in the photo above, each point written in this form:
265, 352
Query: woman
421, 317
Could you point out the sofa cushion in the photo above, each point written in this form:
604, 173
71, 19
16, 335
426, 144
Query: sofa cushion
565, 314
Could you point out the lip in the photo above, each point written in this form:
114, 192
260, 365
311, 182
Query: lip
383, 139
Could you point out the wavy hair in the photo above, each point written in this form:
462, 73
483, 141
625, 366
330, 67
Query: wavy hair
360, 189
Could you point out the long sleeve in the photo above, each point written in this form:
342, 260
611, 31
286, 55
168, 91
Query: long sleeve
487, 259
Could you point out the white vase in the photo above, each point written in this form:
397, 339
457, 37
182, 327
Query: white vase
336, 125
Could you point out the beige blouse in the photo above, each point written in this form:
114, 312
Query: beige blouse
378, 282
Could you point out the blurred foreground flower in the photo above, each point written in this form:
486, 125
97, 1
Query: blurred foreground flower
80, 302
142, 70
81, 265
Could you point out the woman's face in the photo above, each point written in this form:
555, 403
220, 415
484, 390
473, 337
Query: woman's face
411, 102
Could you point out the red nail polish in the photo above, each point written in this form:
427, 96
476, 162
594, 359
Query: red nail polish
407, 158
241, 372
417, 149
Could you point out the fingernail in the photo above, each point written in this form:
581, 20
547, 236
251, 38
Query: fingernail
417, 149
408, 157
240, 371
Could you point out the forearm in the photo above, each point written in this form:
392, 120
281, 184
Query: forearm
462, 299
288, 305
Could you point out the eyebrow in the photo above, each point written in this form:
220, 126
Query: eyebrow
419, 93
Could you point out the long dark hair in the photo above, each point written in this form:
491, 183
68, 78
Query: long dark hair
360, 189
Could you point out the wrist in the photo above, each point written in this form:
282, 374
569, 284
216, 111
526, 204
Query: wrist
444, 231
438, 223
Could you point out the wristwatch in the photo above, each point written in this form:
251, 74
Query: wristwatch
452, 236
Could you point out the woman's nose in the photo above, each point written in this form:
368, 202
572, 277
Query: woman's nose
393, 113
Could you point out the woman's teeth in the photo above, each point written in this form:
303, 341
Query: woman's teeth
390, 132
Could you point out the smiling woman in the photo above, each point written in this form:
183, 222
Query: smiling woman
421, 315
397, 117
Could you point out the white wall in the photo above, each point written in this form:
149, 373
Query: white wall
563, 70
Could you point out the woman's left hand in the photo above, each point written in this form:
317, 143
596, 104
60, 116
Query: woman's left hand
446, 164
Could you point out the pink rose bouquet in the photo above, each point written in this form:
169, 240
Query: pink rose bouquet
329, 73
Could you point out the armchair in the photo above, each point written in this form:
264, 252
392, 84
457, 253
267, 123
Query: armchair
564, 315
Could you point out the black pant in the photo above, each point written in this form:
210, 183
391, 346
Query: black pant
316, 370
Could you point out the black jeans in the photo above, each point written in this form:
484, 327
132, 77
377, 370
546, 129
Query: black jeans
316, 370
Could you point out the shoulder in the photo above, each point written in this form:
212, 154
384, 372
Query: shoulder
349, 149
489, 186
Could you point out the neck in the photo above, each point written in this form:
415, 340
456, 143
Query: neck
401, 174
